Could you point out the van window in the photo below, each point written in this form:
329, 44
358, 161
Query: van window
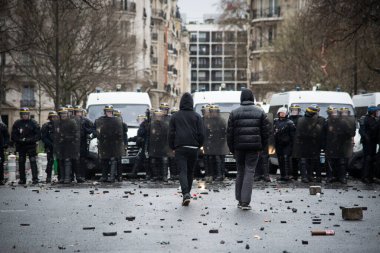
129, 112
224, 107
273, 110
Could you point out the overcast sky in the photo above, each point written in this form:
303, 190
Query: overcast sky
195, 9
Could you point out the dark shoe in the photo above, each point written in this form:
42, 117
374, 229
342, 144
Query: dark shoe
48, 180
305, 180
22, 181
35, 181
239, 205
245, 206
186, 199
267, 179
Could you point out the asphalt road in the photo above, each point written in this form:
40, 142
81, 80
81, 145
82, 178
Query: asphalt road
148, 217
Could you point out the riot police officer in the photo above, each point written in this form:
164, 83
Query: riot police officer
284, 132
47, 135
369, 132
308, 143
86, 128
25, 134
164, 107
70, 110
295, 114
109, 131
117, 113
4, 140
139, 139
332, 114
205, 110
67, 145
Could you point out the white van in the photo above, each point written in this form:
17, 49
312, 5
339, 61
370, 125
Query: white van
362, 101
131, 104
226, 100
305, 98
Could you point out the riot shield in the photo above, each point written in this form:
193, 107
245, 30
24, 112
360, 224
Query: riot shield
215, 134
340, 131
66, 143
110, 137
158, 137
308, 139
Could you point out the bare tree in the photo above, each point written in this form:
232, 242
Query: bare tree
75, 45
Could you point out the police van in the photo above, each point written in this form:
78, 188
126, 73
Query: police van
130, 104
227, 101
305, 98
362, 101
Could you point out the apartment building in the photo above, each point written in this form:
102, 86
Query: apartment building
266, 18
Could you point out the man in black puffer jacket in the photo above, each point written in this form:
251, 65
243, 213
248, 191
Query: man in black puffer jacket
186, 136
247, 134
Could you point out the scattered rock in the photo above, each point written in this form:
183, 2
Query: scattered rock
127, 231
239, 241
214, 231
88, 228
314, 190
130, 218
305, 242
105, 192
109, 233
222, 242
24, 224
354, 213
61, 247
283, 221
294, 210
247, 246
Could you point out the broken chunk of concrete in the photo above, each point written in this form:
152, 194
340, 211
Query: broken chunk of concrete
130, 218
214, 231
88, 228
109, 233
314, 190
353, 213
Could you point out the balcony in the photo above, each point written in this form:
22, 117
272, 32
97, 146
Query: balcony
269, 14
154, 60
158, 14
27, 103
154, 36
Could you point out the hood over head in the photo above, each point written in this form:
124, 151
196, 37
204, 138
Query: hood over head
246, 96
187, 102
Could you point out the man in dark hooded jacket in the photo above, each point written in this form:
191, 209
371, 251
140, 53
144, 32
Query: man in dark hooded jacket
186, 136
247, 134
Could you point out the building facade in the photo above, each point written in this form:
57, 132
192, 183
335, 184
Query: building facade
218, 57
266, 19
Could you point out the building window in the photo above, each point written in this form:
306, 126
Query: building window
204, 37
193, 37
204, 62
241, 75
230, 36
203, 76
229, 75
217, 49
27, 96
229, 50
204, 49
229, 63
204, 87
271, 34
217, 62
241, 86
194, 87
193, 50
217, 36
193, 62
217, 76
193, 75
215, 86
230, 86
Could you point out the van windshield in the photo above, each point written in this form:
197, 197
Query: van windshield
224, 107
129, 112
323, 107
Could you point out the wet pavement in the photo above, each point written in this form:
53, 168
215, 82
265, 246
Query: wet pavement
144, 217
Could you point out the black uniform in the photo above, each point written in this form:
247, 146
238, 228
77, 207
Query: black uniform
86, 128
4, 140
369, 127
141, 141
47, 135
284, 132
295, 161
25, 134
125, 139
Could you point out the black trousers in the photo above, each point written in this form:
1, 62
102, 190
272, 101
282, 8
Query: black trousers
186, 159
50, 162
32, 153
2, 159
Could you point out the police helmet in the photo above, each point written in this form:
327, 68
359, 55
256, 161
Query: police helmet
108, 108
78, 108
52, 114
24, 110
62, 110
295, 107
282, 109
312, 109
372, 109
69, 108
164, 106
214, 108
117, 113
158, 112
316, 106
173, 110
